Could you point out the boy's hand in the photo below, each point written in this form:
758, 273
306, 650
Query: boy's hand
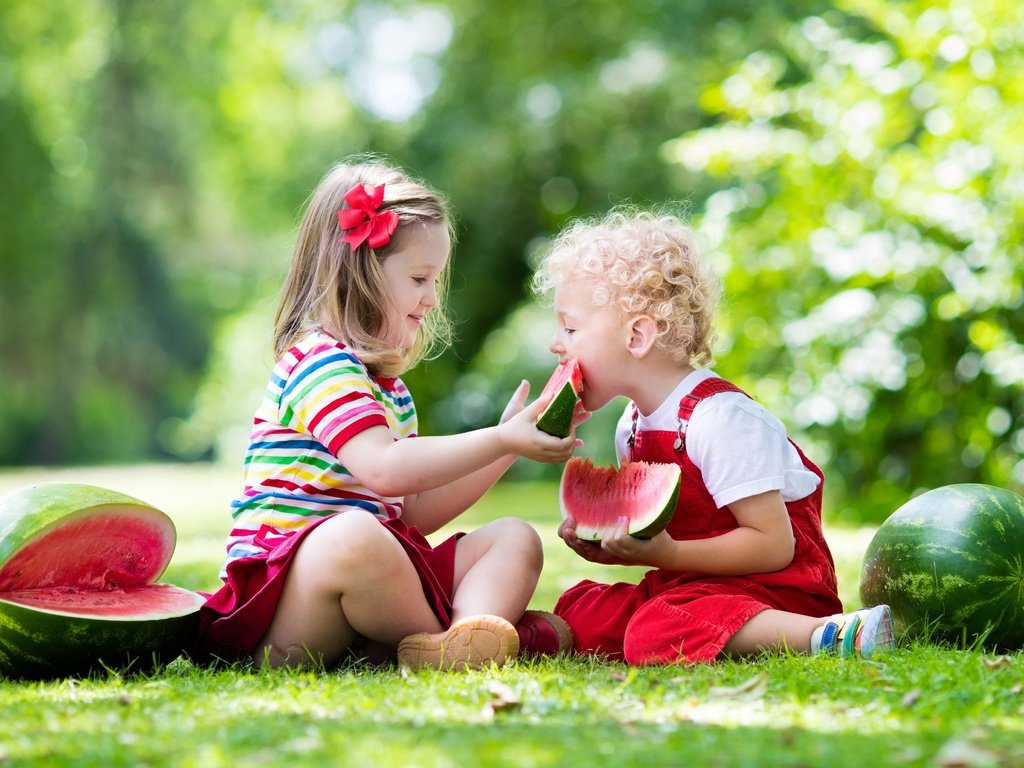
620, 544
588, 550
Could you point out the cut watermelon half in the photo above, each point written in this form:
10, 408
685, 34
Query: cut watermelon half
597, 497
77, 570
562, 393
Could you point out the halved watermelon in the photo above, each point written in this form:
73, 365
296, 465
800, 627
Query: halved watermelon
950, 564
77, 566
597, 497
563, 391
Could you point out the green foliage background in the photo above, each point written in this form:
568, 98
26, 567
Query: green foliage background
854, 168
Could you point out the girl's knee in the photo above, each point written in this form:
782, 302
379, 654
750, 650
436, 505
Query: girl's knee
508, 540
513, 533
513, 529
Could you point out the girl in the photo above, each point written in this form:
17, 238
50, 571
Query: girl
743, 566
327, 554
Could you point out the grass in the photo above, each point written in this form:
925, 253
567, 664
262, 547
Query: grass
926, 705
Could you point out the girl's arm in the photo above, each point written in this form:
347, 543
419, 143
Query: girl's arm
431, 509
463, 466
762, 543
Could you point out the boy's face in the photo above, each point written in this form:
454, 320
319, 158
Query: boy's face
596, 336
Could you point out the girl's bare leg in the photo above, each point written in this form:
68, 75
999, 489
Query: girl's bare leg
774, 630
350, 576
496, 570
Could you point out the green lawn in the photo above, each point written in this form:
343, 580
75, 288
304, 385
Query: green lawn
923, 706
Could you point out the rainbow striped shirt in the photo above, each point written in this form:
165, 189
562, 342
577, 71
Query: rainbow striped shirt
319, 396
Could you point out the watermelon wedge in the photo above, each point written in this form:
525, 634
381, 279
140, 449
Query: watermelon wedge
77, 570
597, 497
563, 395
950, 565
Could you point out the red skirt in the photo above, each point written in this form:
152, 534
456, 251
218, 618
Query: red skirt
236, 617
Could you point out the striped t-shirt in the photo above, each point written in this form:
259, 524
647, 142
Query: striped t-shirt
319, 396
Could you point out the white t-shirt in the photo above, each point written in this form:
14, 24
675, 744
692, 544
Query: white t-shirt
740, 449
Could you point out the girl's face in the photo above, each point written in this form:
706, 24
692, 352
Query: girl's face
597, 337
412, 272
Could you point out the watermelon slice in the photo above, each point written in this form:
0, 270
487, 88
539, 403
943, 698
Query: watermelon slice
563, 394
949, 565
597, 497
77, 566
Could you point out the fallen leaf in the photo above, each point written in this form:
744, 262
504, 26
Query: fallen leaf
754, 688
503, 696
960, 753
999, 662
910, 698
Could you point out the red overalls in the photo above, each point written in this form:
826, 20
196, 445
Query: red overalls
673, 616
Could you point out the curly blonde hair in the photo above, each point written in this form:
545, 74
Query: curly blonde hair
343, 291
642, 263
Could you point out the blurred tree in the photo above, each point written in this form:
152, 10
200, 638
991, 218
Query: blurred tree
871, 237
98, 341
547, 111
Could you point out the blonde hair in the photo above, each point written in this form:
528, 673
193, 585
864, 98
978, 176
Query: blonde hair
332, 286
641, 263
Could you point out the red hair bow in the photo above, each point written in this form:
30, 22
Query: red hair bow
363, 222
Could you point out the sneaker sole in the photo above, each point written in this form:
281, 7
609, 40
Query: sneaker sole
471, 643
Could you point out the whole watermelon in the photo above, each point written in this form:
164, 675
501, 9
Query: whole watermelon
950, 564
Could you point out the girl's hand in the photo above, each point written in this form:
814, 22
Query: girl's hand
588, 550
519, 433
517, 403
655, 551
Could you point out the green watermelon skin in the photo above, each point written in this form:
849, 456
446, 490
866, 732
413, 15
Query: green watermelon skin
564, 388
950, 564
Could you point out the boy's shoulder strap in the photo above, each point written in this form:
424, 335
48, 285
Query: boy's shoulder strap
707, 388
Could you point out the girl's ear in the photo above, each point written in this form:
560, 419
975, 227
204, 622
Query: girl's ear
643, 333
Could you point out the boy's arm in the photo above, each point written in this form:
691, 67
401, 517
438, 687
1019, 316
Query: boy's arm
762, 543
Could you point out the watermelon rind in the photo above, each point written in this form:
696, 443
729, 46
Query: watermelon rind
950, 564
77, 566
596, 497
556, 418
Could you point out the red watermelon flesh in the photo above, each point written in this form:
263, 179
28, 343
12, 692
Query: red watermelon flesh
562, 395
77, 566
105, 548
151, 601
597, 497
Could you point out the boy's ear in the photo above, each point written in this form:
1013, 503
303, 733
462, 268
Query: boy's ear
643, 333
